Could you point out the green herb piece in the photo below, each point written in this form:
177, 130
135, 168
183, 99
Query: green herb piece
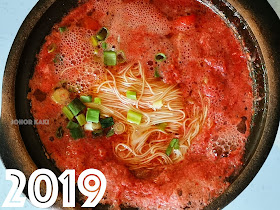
57, 58
62, 29
97, 100
77, 133
72, 125
177, 144
67, 112
134, 117
59, 132
102, 34
94, 41
110, 58
131, 95
160, 57
157, 104
104, 45
174, 144
76, 106
97, 133
121, 57
168, 150
81, 119
156, 75
110, 133
86, 99
107, 122
162, 126
92, 115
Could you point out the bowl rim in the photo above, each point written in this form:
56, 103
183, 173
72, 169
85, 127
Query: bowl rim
265, 25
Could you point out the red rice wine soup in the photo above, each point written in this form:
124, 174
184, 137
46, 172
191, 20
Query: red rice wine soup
155, 94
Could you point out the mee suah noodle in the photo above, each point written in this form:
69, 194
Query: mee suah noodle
154, 94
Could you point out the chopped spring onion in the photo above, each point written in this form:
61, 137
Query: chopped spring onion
102, 34
86, 99
160, 57
96, 126
67, 112
72, 125
107, 122
119, 127
162, 126
76, 106
94, 41
177, 144
92, 115
62, 29
81, 119
104, 45
168, 150
51, 48
121, 57
110, 58
61, 96
59, 132
97, 133
58, 58
97, 100
157, 104
77, 133
110, 133
174, 144
131, 95
156, 75
88, 126
134, 117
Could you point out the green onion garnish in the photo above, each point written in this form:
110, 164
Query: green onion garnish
94, 41
168, 150
86, 99
81, 119
67, 112
121, 57
59, 132
157, 104
156, 75
110, 58
92, 115
72, 125
104, 45
97, 100
76, 106
62, 29
134, 117
174, 144
110, 133
131, 95
162, 126
160, 57
97, 133
57, 58
77, 133
102, 34
107, 122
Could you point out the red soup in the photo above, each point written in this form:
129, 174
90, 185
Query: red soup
154, 94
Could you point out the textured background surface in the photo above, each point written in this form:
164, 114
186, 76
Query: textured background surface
262, 193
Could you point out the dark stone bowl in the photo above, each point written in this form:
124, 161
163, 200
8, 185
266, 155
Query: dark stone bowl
254, 22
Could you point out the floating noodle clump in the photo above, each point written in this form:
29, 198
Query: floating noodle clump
145, 145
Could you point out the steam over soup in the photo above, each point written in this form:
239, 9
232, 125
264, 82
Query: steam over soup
155, 94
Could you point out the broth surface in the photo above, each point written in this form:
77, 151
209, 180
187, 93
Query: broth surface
203, 57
